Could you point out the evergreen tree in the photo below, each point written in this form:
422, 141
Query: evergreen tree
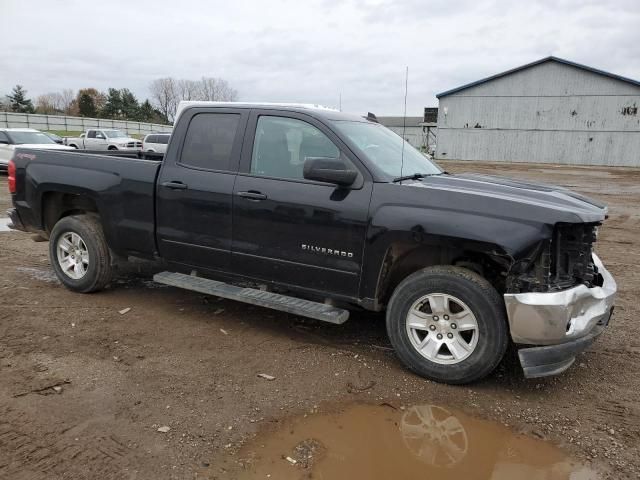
19, 102
113, 106
130, 107
146, 113
86, 105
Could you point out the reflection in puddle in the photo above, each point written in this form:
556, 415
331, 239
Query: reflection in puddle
426, 442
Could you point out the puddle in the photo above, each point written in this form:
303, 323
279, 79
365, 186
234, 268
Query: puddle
4, 225
421, 442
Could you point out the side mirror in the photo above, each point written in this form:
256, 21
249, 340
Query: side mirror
329, 170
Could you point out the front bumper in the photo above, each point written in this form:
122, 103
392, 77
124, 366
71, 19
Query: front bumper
565, 323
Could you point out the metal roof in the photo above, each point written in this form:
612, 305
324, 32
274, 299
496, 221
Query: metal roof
538, 62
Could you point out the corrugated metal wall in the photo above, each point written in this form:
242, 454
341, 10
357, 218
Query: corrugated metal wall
549, 113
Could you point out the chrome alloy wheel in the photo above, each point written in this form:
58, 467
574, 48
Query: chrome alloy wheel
442, 328
73, 255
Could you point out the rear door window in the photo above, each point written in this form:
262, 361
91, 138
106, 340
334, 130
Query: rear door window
209, 141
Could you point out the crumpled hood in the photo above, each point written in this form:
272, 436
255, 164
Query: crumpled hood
548, 197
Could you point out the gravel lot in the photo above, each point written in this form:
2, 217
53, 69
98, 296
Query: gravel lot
188, 362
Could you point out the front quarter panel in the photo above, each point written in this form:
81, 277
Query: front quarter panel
438, 219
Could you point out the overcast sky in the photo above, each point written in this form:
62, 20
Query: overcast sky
307, 50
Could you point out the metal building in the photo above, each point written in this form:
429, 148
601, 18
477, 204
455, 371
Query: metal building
549, 111
417, 132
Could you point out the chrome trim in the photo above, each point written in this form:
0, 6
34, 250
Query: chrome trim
557, 317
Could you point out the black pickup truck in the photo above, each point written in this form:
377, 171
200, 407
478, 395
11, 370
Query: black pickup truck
317, 212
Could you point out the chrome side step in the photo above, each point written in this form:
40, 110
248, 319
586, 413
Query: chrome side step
275, 301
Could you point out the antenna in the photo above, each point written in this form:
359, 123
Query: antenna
404, 119
340, 102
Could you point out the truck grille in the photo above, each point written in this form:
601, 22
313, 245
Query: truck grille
558, 264
134, 145
572, 248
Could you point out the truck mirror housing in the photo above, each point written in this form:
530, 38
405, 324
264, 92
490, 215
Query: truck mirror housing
329, 170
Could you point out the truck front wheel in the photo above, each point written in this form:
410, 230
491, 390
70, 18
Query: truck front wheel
79, 253
447, 324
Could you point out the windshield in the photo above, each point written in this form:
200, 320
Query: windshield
384, 149
22, 138
114, 134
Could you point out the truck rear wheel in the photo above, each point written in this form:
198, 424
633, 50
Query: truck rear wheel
79, 253
448, 324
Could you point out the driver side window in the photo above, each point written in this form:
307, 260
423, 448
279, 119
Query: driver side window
281, 146
91, 134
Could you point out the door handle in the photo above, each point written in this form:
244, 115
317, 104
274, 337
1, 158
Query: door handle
252, 195
174, 185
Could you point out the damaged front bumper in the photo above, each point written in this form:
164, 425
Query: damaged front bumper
559, 325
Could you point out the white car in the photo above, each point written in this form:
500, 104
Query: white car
156, 142
104, 139
10, 138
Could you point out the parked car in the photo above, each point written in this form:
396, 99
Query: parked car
155, 142
104, 139
316, 212
56, 138
10, 138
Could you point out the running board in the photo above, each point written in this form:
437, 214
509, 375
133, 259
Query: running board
275, 301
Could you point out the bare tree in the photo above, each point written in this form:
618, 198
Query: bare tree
67, 98
165, 96
166, 93
217, 89
188, 90
47, 104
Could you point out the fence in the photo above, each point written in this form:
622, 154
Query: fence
76, 124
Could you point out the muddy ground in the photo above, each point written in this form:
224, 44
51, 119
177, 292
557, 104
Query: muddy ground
190, 363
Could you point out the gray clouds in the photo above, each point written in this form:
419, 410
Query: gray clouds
308, 51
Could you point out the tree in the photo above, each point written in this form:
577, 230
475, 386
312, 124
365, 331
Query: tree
86, 105
113, 106
50, 103
188, 89
98, 99
164, 95
19, 102
129, 104
146, 112
67, 97
217, 89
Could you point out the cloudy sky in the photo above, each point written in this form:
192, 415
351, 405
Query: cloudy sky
308, 51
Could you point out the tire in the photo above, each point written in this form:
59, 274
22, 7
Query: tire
451, 293
84, 277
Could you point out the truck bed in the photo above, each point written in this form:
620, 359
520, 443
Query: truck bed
121, 187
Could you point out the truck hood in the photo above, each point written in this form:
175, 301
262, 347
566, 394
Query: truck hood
550, 198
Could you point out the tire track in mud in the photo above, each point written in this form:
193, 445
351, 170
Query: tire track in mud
28, 451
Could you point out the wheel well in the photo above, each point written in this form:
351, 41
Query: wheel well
112, 147
400, 262
56, 205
